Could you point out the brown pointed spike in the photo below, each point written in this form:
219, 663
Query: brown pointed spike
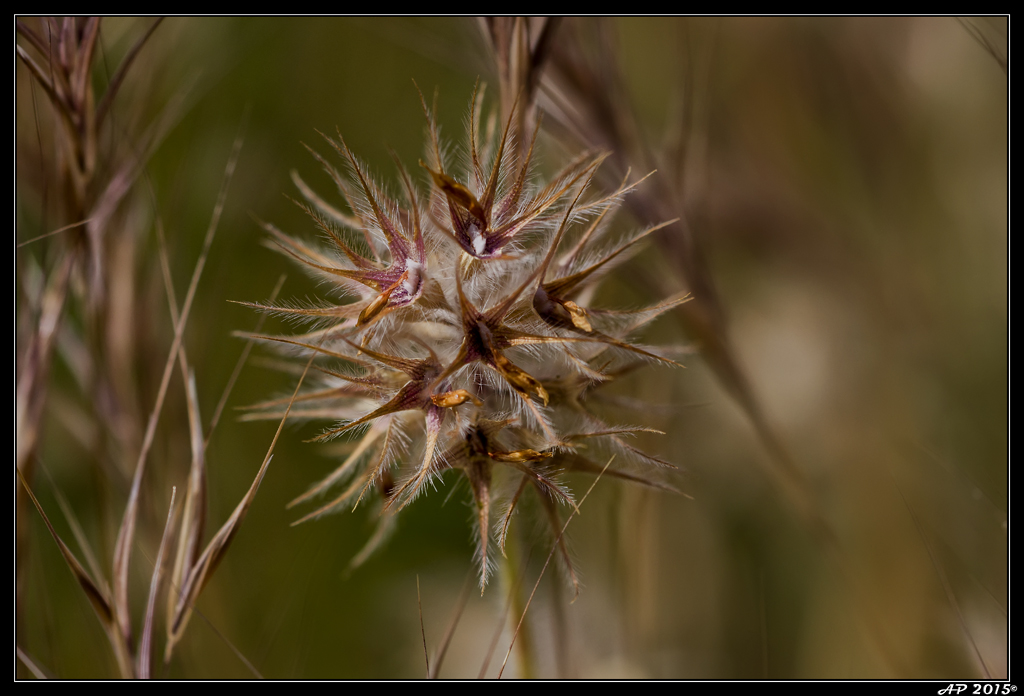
498, 312
554, 190
517, 187
474, 118
605, 338
365, 444
508, 515
571, 255
410, 193
555, 522
321, 223
297, 246
432, 126
413, 485
470, 314
383, 220
492, 183
457, 364
339, 311
480, 481
406, 365
353, 220
398, 403
357, 276
565, 286
315, 348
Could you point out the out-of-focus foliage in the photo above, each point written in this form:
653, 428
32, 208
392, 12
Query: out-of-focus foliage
846, 184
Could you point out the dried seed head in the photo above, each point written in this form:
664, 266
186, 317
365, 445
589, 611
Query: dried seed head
439, 382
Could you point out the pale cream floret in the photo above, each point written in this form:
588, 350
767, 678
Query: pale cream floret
477, 238
413, 275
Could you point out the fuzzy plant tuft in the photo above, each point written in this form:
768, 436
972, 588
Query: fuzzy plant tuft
466, 338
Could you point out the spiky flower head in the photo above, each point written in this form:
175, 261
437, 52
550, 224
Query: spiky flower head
465, 340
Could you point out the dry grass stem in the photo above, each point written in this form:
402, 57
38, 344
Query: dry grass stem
547, 560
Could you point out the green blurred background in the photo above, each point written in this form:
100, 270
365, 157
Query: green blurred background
848, 183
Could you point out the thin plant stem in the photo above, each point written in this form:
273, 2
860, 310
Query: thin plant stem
551, 553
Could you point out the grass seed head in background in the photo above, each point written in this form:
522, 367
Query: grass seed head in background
466, 338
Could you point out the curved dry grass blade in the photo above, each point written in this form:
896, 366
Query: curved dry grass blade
207, 563
947, 588
513, 593
460, 605
122, 181
539, 54
231, 646
551, 553
577, 463
239, 365
80, 75
553, 520
93, 591
508, 514
423, 633
40, 75
83, 542
997, 52
31, 394
203, 569
126, 532
613, 123
115, 82
31, 35
193, 520
29, 663
101, 604
144, 656
65, 228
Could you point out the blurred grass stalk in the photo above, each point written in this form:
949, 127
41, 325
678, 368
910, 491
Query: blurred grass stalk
88, 268
80, 181
575, 76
